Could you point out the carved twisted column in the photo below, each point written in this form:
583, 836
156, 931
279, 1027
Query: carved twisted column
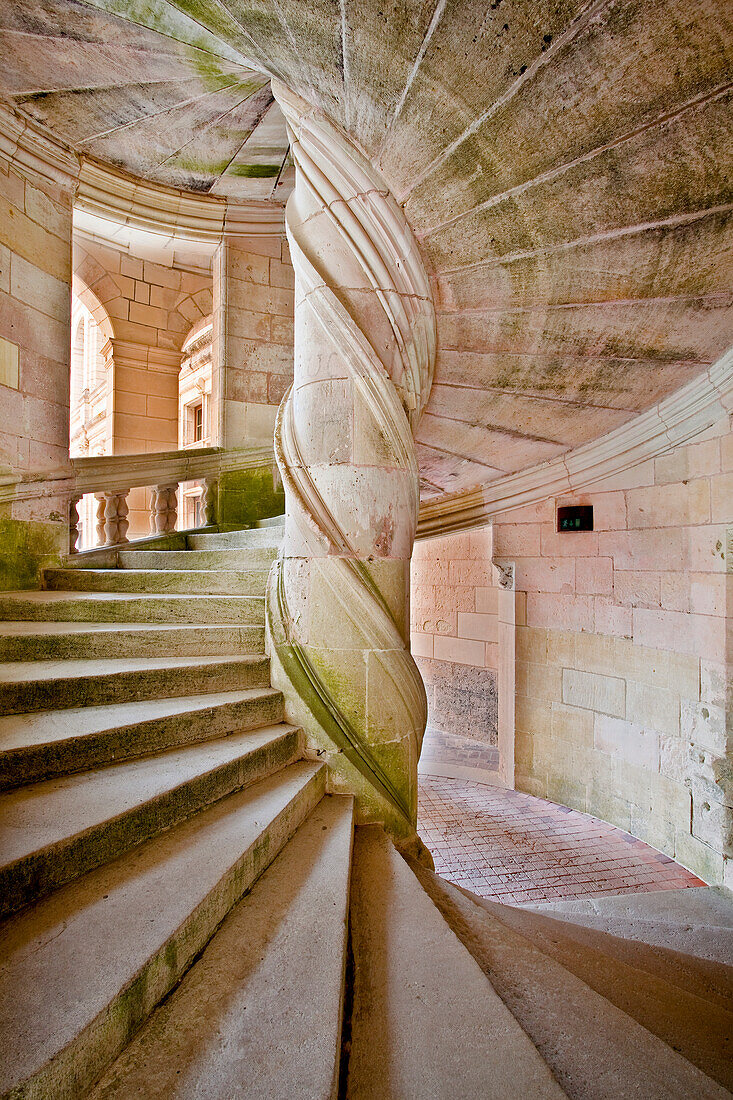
338, 604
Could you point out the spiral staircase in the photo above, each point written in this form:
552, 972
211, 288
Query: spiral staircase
188, 912
200, 898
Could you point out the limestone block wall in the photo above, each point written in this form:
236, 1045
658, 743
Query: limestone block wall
454, 627
35, 319
622, 656
253, 337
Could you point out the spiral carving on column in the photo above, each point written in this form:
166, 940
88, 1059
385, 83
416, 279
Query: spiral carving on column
392, 376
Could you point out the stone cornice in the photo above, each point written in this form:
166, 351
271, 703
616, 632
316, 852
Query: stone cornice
678, 419
35, 151
154, 208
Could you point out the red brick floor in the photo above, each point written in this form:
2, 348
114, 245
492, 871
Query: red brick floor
516, 848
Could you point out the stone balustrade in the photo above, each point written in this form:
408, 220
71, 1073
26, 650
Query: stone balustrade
110, 479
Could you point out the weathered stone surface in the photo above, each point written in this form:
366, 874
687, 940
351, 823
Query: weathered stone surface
565, 169
461, 699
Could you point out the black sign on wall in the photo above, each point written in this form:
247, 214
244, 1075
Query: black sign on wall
575, 518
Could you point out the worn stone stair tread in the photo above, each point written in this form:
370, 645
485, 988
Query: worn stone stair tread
9, 628
129, 606
56, 830
45, 743
695, 905
259, 1013
252, 557
224, 540
53, 640
714, 943
271, 521
83, 968
596, 1050
14, 672
209, 581
426, 1021
712, 981
688, 1006
39, 685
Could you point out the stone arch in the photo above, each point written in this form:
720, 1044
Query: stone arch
82, 291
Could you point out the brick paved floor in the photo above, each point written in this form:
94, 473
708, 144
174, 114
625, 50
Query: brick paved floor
516, 848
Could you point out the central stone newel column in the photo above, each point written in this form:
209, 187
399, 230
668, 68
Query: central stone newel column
338, 605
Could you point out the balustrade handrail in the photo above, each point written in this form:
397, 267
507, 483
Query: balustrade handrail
109, 473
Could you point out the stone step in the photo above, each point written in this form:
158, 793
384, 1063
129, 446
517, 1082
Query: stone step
226, 540
55, 831
712, 943
253, 557
85, 967
698, 906
260, 1012
426, 1021
272, 521
197, 581
696, 921
47, 641
595, 1049
119, 607
27, 686
687, 1005
711, 980
51, 743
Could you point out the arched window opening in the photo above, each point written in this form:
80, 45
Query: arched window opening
88, 411
90, 396
194, 404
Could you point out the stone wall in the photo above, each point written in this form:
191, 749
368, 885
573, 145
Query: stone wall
621, 652
455, 632
253, 337
35, 318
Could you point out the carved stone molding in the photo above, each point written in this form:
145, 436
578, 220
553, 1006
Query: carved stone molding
163, 509
338, 615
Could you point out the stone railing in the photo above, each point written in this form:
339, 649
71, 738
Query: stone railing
240, 487
110, 479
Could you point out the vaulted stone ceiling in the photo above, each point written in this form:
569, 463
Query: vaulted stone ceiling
565, 165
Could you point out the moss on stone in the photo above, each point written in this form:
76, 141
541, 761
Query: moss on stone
25, 549
246, 496
254, 171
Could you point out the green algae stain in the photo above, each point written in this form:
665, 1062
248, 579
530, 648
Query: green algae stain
25, 549
254, 171
246, 496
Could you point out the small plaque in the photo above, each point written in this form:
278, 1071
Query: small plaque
575, 518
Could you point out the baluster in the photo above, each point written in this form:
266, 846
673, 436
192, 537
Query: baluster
163, 509
112, 522
209, 495
101, 505
74, 524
